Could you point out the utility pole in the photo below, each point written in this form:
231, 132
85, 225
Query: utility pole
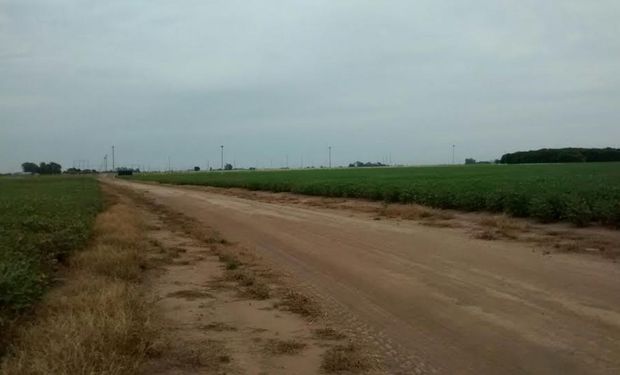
330, 156
113, 161
286, 161
169, 165
105, 163
222, 156
453, 147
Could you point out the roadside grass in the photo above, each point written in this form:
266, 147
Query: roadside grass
98, 320
300, 304
500, 227
284, 347
328, 334
345, 358
210, 354
580, 193
42, 221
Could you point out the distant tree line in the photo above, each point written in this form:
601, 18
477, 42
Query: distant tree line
470, 161
359, 164
42, 168
80, 171
562, 155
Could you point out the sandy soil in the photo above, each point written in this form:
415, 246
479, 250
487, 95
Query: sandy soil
431, 300
205, 322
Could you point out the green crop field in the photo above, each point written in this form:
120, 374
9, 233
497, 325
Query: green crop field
580, 193
42, 219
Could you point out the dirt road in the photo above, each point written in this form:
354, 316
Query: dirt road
433, 300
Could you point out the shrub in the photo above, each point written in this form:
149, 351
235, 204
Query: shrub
545, 209
577, 211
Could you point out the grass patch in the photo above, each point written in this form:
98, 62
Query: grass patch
98, 321
328, 334
300, 304
253, 286
284, 347
190, 295
258, 290
231, 262
345, 358
210, 354
219, 327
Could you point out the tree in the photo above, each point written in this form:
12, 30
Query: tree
470, 161
562, 155
196, 169
29, 167
50, 168
228, 167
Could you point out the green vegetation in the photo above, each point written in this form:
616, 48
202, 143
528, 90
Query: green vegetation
579, 193
42, 219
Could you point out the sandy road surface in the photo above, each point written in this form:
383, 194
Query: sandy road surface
433, 300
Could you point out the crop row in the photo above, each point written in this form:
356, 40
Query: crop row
580, 194
42, 219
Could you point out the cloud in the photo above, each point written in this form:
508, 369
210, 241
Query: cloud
162, 78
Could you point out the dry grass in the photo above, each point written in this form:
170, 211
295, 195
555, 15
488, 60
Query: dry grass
253, 285
410, 212
328, 334
115, 261
284, 347
300, 304
231, 262
209, 354
190, 295
218, 327
243, 277
345, 358
501, 227
98, 320
258, 290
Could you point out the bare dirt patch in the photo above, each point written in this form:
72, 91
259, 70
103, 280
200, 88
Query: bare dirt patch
218, 308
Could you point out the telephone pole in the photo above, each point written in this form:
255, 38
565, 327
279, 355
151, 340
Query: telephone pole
222, 156
113, 161
453, 147
105, 163
330, 156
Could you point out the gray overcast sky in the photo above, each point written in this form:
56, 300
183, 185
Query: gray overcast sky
271, 78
